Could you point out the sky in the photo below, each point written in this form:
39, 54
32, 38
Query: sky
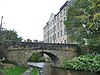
28, 17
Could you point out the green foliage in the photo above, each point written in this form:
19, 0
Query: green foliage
29, 40
9, 35
6, 37
37, 57
14, 71
83, 22
84, 62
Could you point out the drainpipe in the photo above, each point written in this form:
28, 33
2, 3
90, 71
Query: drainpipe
1, 23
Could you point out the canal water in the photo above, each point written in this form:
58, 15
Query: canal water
58, 71
47, 69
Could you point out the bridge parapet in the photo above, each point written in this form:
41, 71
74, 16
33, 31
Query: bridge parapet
42, 46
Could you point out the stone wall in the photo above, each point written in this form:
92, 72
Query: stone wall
21, 56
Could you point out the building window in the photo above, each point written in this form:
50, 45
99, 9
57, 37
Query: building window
50, 31
61, 23
61, 33
51, 39
64, 18
58, 25
55, 27
65, 41
47, 40
58, 34
50, 24
57, 17
60, 14
53, 22
55, 36
64, 11
65, 31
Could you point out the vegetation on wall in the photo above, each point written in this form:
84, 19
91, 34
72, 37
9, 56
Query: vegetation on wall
83, 23
84, 62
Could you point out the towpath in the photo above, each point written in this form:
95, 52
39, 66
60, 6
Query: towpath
28, 72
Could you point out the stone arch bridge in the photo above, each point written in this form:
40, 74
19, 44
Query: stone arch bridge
57, 52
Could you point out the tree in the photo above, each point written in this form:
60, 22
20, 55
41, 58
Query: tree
29, 40
36, 41
10, 35
83, 22
6, 38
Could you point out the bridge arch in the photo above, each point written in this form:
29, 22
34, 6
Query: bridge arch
53, 57
21, 56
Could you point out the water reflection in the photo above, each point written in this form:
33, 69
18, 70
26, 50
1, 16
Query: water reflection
57, 71
49, 70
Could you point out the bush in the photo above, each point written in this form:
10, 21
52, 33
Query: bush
84, 62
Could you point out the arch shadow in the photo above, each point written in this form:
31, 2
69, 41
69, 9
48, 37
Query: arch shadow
53, 57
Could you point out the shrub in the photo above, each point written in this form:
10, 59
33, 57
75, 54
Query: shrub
84, 62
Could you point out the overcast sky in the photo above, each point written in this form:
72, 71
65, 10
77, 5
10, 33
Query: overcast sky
28, 17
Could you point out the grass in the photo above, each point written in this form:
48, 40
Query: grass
14, 71
35, 71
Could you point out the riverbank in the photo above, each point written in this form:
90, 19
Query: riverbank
10, 69
13, 71
35, 71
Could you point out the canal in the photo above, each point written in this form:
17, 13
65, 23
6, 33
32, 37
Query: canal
47, 69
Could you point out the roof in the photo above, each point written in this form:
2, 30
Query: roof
65, 4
